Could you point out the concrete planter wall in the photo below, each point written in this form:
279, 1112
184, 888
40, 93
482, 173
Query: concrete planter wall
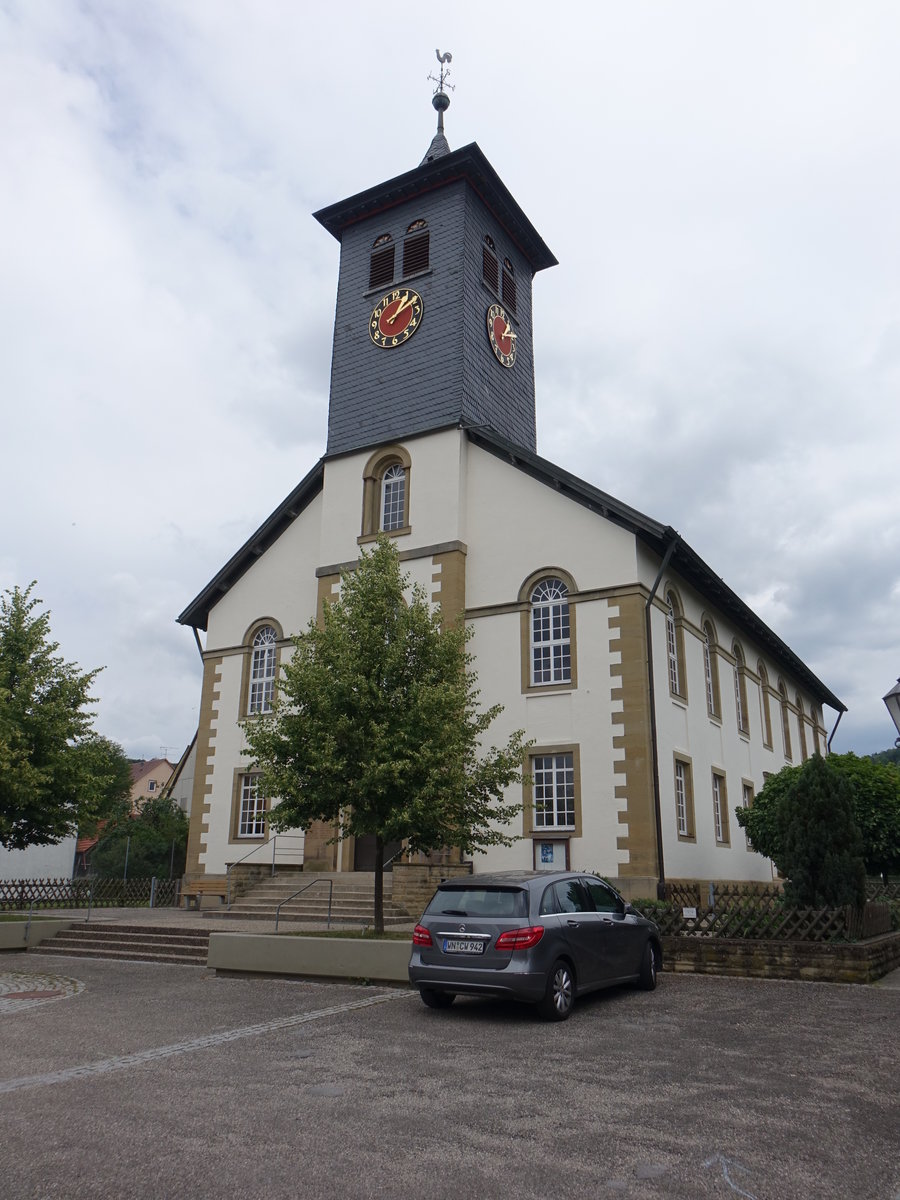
323, 958
12, 933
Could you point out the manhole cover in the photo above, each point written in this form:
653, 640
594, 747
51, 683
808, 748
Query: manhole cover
20, 989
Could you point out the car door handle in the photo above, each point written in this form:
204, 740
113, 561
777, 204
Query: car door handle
606, 921
574, 924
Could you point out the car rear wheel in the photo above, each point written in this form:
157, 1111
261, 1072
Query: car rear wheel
433, 999
647, 979
560, 994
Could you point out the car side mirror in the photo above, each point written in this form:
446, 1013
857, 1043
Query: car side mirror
631, 911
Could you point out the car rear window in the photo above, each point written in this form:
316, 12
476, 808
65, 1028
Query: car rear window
479, 902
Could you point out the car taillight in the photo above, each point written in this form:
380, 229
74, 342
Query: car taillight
421, 936
520, 939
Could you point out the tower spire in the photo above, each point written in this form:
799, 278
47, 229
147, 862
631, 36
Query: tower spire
440, 102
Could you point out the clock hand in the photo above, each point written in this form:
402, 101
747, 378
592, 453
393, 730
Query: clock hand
404, 303
507, 332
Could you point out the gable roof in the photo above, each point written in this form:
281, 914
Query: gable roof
197, 612
657, 537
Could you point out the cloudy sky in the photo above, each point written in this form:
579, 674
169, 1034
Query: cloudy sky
719, 346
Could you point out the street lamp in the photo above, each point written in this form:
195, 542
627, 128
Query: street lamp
892, 702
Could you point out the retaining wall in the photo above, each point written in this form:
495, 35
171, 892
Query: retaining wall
830, 962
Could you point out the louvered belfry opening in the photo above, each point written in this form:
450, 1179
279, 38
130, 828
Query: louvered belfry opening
509, 285
381, 266
415, 253
490, 268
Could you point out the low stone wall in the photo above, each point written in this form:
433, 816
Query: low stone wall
827, 962
12, 933
311, 957
414, 884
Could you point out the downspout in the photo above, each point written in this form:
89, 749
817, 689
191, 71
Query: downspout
657, 803
834, 731
197, 640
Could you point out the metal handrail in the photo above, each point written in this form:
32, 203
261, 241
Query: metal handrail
305, 887
387, 862
249, 854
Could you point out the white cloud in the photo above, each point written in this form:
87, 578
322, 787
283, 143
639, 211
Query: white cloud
719, 347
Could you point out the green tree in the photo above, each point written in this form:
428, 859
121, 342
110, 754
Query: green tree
378, 725
56, 773
154, 839
875, 800
803, 820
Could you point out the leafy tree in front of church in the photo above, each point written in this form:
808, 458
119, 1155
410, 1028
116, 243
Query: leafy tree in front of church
56, 774
874, 791
378, 726
803, 820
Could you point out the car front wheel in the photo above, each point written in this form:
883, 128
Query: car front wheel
560, 994
647, 979
433, 999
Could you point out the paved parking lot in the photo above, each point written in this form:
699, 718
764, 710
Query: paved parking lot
157, 1081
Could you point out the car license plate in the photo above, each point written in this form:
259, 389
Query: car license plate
463, 946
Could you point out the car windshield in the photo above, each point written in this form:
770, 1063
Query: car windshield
479, 902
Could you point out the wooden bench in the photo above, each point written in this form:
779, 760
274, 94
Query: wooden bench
192, 892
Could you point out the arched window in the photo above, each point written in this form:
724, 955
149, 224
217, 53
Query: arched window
675, 647
785, 719
386, 493
711, 670
740, 690
551, 652
817, 726
801, 723
263, 665
765, 711
393, 498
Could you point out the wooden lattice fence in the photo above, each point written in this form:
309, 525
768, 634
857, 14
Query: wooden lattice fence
733, 911
19, 894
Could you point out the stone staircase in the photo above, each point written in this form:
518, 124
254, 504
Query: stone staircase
144, 943
352, 899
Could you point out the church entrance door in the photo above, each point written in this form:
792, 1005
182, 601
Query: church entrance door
364, 853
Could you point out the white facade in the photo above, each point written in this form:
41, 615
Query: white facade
482, 530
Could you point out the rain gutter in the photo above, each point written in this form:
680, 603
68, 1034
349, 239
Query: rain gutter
657, 803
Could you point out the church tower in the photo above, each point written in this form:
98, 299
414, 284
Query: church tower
433, 323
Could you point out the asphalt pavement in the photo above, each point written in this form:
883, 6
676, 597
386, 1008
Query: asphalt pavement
121, 1078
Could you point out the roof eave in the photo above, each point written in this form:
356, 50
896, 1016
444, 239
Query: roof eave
657, 537
468, 163
197, 612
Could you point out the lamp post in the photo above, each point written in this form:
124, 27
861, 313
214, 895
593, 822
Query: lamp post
892, 703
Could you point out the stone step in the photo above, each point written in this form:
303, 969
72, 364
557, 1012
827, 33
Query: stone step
273, 887
149, 932
160, 956
143, 943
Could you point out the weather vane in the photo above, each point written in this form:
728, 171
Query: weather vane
441, 80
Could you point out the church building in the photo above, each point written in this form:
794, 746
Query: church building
657, 700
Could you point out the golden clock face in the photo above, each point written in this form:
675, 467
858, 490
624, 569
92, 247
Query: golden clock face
501, 335
396, 317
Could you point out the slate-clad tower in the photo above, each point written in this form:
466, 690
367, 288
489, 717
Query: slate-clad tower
450, 233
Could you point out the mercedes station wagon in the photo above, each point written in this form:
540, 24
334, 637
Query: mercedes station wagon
536, 936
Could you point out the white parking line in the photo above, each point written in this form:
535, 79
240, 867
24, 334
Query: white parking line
124, 1061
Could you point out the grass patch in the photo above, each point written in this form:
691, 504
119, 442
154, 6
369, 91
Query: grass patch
23, 916
389, 935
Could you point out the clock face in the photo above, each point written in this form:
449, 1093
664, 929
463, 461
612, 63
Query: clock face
501, 335
396, 317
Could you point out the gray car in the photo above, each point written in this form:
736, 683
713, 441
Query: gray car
538, 936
